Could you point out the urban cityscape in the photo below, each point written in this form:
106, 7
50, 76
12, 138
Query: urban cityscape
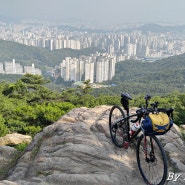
116, 46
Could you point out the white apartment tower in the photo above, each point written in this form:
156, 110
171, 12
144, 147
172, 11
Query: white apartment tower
73, 70
65, 69
112, 63
32, 70
99, 72
1, 68
102, 70
131, 49
81, 70
89, 71
13, 68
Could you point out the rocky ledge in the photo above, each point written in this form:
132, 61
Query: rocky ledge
77, 150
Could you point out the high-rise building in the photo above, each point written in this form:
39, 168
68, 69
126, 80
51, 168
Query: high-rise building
102, 69
112, 63
81, 70
1, 68
51, 44
32, 70
13, 68
73, 69
89, 71
65, 69
131, 49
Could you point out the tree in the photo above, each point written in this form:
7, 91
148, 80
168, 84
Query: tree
87, 87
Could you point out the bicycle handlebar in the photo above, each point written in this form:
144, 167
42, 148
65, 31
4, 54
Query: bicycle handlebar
125, 97
142, 111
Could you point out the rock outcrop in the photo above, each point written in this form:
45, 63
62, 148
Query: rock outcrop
14, 139
8, 156
77, 150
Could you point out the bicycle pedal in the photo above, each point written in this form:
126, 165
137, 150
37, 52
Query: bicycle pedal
126, 145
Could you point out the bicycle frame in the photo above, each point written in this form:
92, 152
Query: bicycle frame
127, 120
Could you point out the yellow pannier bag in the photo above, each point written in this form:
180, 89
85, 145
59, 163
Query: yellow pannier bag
160, 122
156, 123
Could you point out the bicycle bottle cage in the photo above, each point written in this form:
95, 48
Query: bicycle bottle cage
125, 97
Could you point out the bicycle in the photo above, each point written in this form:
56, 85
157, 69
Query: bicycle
150, 155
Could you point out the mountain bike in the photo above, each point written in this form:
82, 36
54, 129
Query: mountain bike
150, 155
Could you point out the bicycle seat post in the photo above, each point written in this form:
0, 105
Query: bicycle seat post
147, 98
125, 97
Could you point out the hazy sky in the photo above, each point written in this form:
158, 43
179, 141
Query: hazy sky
97, 11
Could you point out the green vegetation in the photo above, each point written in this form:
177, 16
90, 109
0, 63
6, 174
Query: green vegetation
156, 78
27, 106
21, 147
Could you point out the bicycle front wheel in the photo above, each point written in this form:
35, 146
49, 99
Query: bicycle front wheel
151, 160
117, 126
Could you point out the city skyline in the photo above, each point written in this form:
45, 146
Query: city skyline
100, 12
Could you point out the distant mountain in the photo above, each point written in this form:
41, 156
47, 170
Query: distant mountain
160, 28
156, 28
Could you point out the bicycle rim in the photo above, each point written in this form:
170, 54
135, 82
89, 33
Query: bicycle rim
116, 127
153, 168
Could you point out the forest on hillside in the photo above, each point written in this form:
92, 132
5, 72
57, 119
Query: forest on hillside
160, 77
27, 106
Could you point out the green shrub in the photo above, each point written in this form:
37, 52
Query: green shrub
21, 147
32, 130
3, 128
16, 125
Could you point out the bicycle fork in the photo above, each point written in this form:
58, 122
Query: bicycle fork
148, 157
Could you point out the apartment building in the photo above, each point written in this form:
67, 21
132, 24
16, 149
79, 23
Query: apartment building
89, 71
17, 68
13, 68
32, 70
1, 68
94, 68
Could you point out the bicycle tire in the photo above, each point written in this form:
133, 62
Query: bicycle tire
155, 171
118, 133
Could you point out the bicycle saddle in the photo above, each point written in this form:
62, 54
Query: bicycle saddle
126, 96
147, 97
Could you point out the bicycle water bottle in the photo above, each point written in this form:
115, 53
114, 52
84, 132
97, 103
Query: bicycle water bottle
134, 128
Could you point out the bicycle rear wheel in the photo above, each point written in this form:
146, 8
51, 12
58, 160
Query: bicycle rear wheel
151, 160
117, 126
